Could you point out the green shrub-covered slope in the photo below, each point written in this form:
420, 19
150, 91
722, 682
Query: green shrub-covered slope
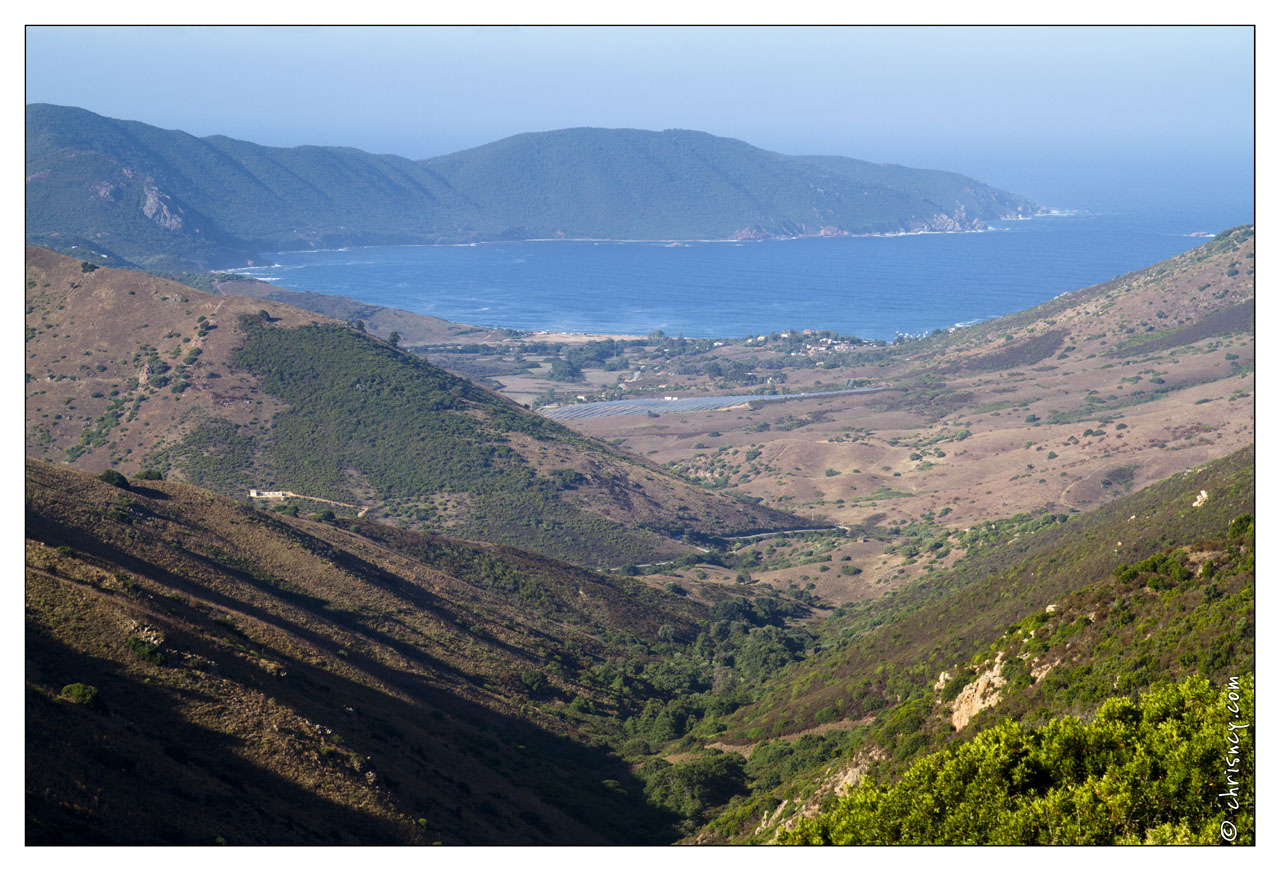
1149, 589
1150, 771
436, 451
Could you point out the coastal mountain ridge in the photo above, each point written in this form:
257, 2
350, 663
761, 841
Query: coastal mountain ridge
124, 193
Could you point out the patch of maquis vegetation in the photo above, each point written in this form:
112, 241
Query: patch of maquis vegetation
410, 430
1134, 774
1184, 613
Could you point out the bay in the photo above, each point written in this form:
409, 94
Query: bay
871, 287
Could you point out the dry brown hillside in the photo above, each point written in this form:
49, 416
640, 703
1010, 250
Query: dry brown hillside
1057, 409
128, 371
96, 344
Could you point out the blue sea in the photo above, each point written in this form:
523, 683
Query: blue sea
871, 287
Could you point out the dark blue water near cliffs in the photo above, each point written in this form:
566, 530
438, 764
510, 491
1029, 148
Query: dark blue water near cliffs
869, 287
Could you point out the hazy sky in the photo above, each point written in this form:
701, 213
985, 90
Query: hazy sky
1056, 113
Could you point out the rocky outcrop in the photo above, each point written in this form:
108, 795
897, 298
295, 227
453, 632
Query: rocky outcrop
839, 780
103, 189
983, 693
157, 209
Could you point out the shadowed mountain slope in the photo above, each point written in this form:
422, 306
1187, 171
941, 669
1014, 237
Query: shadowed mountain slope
253, 678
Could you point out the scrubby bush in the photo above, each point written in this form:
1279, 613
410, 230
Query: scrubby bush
145, 650
80, 694
692, 788
114, 478
952, 687
1241, 527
